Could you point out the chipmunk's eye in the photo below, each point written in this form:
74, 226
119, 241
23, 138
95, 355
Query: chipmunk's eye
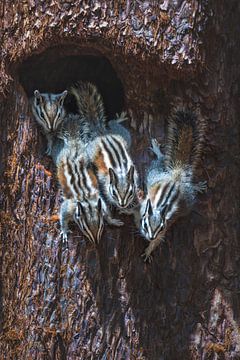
145, 227
114, 193
41, 114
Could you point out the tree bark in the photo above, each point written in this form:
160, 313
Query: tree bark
104, 302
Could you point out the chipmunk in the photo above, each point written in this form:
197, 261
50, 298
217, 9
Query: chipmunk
49, 112
108, 149
70, 147
115, 170
82, 201
171, 190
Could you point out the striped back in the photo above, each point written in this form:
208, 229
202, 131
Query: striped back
79, 182
76, 177
115, 170
48, 110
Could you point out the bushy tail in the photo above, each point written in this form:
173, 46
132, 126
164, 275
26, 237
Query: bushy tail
185, 139
90, 103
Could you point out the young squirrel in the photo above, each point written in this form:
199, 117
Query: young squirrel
171, 190
82, 201
49, 112
115, 170
107, 147
91, 156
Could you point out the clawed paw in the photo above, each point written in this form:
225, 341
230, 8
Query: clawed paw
125, 212
154, 142
114, 222
147, 257
202, 186
117, 222
64, 237
154, 145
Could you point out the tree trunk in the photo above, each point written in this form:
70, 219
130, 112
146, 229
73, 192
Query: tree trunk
105, 302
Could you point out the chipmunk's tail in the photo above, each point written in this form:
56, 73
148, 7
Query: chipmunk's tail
185, 139
90, 103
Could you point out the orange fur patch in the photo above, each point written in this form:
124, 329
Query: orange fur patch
47, 173
41, 167
92, 177
63, 181
100, 164
153, 191
54, 218
140, 194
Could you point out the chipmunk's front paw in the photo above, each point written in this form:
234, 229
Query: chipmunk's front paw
202, 186
126, 212
64, 237
154, 143
115, 222
147, 257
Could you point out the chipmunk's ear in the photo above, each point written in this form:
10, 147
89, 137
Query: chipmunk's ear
113, 178
37, 94
130, 174
37, 97
62, 97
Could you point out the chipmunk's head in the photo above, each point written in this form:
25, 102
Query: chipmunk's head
152, 222
122, 187
48, 109
89, 216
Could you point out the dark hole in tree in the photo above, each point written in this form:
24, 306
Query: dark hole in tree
54, 71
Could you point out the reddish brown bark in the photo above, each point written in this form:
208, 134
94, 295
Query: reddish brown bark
105, 303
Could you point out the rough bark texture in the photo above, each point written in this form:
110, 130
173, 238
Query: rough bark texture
104, 302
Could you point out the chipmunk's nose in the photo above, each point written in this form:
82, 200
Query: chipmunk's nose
123, 203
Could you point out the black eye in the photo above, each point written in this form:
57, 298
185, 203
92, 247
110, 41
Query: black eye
41, 114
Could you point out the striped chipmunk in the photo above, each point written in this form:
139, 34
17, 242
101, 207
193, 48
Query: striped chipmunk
49, 112
82, 201
59, 126
171, 190
67, 135
108, 149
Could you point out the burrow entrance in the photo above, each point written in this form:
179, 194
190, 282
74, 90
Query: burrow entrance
56, 69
